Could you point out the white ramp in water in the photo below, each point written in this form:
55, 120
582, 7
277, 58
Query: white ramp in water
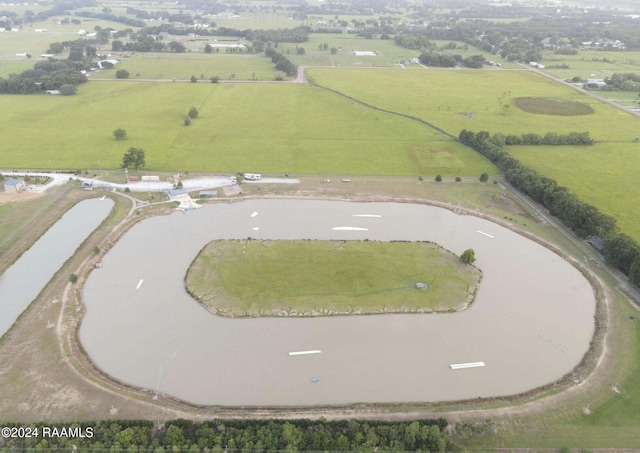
349, 228
460, 366
367, 215
315, 351
485, 234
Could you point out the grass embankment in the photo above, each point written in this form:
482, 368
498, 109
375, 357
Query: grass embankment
266, 128
307, 278
483, 100
605, 416
27, 216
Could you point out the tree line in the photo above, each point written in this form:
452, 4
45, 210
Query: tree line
282, 63
250, 435
439, 60
550, 138
585, 220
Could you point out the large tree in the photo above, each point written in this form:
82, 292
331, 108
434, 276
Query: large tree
133, 158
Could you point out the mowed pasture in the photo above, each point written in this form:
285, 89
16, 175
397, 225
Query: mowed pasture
591, 64
27, 40
603, 174
266, 128
312, 278
203, 66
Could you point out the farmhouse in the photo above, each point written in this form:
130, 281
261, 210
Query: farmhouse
102, 64
14, 185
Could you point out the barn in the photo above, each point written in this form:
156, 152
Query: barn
14, 185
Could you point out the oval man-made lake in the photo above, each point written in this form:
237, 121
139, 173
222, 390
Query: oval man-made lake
22, 282
531, 322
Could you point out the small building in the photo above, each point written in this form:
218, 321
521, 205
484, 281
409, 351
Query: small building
106, 64
134, 178
595, 83
14, 186
175, 192
217, 45
208, 193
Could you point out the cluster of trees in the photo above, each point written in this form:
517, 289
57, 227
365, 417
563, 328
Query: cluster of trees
61, 75
550, 138
147, 43
294, 35
623, 82
282, 63
585, 220
414, 41
236, 435
112, 18
439, 60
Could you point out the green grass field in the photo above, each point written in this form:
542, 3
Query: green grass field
29, 41
453, 100
591, 64
204, 66
265, 278
267, 128
16, 66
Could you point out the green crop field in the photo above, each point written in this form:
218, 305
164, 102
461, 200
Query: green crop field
268, 128
591, 64
204, 66
266, 278
453, 100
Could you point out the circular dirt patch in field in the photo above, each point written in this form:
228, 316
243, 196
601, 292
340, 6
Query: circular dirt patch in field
552, 106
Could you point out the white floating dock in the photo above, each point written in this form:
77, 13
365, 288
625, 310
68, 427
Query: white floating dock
460, 366
139, 284
315, 351
348, 228
485, 234
367, 215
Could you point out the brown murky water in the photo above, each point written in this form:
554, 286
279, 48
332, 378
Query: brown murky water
531, 322
22, 282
